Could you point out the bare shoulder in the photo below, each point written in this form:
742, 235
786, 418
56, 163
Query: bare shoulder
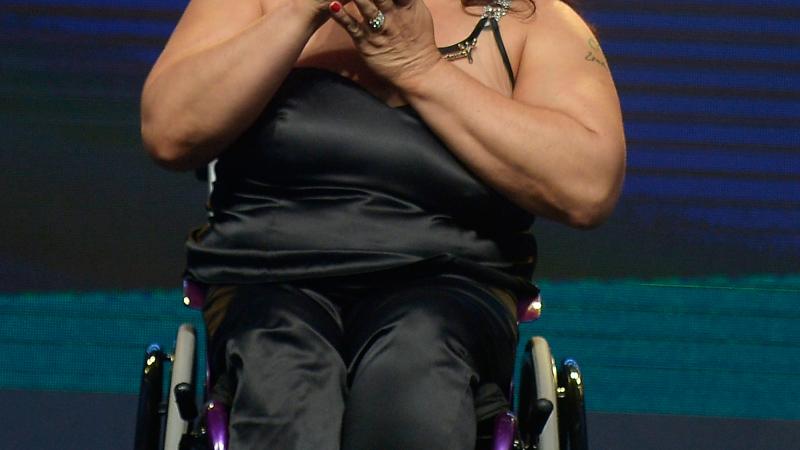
557, 30
550, 14
563, 68
561, 48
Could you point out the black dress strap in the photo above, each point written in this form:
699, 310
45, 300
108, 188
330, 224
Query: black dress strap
499, 39
490, 18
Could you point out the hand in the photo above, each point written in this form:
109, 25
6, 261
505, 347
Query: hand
403, 49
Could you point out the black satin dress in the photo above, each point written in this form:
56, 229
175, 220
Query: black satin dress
330, 181
354, 262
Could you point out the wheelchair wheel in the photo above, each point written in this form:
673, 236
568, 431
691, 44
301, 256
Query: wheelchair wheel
544, 374
148, 417
572, 406
182, 371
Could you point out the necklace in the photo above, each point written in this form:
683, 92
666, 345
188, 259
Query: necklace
491, 12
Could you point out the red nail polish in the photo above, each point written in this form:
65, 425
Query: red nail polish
335, 6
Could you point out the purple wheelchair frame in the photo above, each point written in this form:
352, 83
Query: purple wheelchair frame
216, 414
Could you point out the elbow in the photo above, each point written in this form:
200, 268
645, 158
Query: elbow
583, 212
161, 136
167, 152
164, 154
598, 199
171, 163
590, 215
597, 203
584, 208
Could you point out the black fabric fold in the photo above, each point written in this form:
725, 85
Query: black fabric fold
329, 181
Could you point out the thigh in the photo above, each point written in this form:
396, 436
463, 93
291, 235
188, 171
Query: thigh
416, 357
276, 350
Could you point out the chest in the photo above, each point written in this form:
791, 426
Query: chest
331, 48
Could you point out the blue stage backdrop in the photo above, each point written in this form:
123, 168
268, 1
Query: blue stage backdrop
686, 302
710, 93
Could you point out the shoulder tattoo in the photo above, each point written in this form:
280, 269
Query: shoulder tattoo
594, 54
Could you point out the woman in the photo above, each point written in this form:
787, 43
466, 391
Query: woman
371, 215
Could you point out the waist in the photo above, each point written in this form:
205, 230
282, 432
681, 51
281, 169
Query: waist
315, 234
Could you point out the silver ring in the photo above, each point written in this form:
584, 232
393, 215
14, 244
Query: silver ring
376, 23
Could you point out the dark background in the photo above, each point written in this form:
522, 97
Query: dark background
93, 231
709, 92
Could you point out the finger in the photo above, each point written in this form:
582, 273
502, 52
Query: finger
343, 18
386, 5
367, 9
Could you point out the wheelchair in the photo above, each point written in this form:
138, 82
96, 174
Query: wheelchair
550, 412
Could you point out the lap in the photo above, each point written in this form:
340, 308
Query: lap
276, 360
426, 350
422, 346
444, 310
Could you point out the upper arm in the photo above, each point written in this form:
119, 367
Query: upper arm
205, 23
563, 69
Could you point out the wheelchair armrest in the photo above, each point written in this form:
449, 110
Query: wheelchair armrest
194, 294
530, 309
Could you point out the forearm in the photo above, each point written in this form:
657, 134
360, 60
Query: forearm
197, 105
543, 160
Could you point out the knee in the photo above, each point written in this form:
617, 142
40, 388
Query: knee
411, 388
412, 345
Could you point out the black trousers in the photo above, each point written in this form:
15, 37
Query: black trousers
360, 364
